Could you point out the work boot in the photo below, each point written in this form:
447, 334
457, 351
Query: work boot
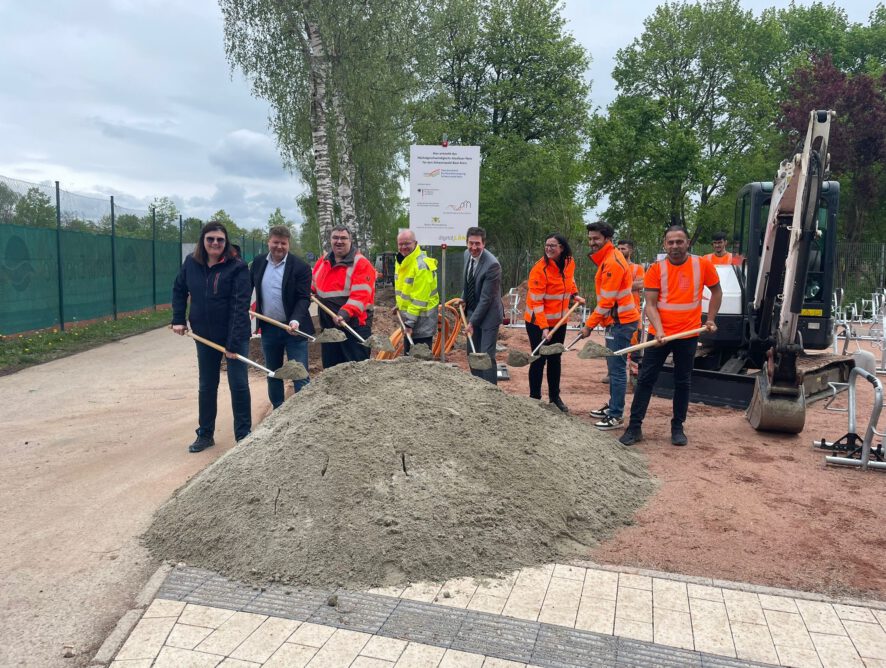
201, 443
632, 435
678, 437
558, 402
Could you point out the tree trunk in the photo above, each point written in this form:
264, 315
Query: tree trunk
319, 70
346, 174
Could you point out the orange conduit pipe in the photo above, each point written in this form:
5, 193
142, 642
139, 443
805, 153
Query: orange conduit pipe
453, 330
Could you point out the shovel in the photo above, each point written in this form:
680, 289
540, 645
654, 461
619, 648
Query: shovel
519, 358
291, 370
326, 336
595, 350
375, 341
477, 361
420, 351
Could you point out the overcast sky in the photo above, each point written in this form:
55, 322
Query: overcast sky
135, 98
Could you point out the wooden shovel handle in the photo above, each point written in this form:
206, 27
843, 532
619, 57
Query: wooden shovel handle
256, 314
464, 319
555, 328
333, 314
665, 339
221, 349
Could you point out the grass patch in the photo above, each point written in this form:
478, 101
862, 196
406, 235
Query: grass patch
18, 351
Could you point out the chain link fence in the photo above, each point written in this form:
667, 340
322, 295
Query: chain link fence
68, 257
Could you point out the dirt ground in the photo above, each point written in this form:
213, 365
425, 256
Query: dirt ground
737, 504
92, 444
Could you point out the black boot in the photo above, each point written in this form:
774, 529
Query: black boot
558, 402
201, 443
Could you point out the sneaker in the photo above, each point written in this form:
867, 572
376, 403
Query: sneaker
632, 435
609, 422
600, 412
559, 404
201, 443
678, 437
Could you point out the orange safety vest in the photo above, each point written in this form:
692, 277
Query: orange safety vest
347, 287
717, 259
547, 299
637, 272
612, 283
680, 289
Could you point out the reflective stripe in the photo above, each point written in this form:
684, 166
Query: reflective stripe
601, 310
609, 293
696, 287
357, 303
333, 293
556, 297
361, 286
409, 280
555, 316
627, 307
537, 297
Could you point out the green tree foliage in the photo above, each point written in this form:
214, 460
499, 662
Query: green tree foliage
8, 199
34, 209
191, 229
693, 109
507, 76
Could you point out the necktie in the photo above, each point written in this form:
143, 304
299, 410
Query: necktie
470, 287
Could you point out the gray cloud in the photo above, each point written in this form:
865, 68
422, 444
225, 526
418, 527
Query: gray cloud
249, 154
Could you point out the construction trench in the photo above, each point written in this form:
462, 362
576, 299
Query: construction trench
386, 472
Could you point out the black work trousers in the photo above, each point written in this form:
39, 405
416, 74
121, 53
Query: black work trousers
653, 360
537, 368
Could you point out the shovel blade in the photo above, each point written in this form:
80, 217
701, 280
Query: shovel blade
593, 350
291, 370
553, 349
519, 358
378, 342
420, 351
479, 361
331, 336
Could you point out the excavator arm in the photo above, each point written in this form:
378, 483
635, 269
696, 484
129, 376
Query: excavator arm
778, 403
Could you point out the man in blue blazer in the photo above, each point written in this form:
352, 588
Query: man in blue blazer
482, 299
282, 285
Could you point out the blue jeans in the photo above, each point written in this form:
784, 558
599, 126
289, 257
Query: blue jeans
274, 341
618, 336
209, 366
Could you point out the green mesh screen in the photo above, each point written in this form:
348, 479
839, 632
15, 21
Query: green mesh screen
28, 279
86, 275
134, 290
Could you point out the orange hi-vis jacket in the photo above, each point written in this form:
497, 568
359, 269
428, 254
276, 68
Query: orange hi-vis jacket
726, 258
612, 283
347, 287
637, 272
547, 299
680, 288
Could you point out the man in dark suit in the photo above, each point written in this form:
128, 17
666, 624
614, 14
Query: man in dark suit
282, 285
482, 299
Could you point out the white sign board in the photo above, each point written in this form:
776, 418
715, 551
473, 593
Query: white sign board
444, 193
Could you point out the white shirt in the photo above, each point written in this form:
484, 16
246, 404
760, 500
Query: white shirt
272, 290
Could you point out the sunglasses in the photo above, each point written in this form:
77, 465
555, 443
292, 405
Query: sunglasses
215, 240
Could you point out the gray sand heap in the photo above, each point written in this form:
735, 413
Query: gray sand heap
380, 473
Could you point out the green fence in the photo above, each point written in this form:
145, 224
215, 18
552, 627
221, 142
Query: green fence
30, 289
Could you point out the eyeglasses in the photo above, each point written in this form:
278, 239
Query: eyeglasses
340, 238
552, 245
215, 240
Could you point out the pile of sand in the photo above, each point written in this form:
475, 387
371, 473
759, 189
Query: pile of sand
386, 472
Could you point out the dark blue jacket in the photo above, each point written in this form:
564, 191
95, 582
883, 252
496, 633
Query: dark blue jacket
296, 289
219, 301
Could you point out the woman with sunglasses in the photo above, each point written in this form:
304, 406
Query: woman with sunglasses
219, 288
551, 287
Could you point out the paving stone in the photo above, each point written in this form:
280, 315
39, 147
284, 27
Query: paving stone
354, 611
642, 654
387, 649
560, 647
267, 638
491, 635
419, 655
455, 659
430, 624
290, 603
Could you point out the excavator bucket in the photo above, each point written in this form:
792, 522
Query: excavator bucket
774, 409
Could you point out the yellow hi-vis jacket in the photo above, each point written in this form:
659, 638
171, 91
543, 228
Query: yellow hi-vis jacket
415, 285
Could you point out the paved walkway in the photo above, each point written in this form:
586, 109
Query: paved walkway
554, 615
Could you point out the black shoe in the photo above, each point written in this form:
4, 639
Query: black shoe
240, 438
678, 437
632, 435
201, 443
559, 404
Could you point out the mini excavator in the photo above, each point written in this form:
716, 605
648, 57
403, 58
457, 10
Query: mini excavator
777, 301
